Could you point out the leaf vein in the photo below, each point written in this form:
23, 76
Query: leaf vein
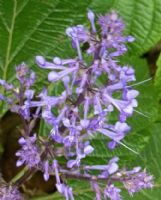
29, 36
22, 8
9, 45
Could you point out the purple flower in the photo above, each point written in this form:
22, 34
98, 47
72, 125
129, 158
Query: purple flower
24, 75
55, 76
77, 34
57, 64
10, 192
55, 134
116, 132
127, 74
73, 129
108, 169
83, 82
81, 152
25, 111
125, 107
46, 170
62, 69
96, 189
62, 188
6, 85
91, 92
88, 149
46, 102
2, 97
138, 181
29, 153
65, 190
91, 17
112, 192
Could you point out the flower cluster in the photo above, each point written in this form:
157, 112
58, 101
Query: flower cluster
92, 91
29, 153
10, 192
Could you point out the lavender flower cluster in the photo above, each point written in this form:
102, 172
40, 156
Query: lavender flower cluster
10, 192
83, 110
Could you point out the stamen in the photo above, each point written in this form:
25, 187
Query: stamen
127, 147
142, 114
78, 49
139, 83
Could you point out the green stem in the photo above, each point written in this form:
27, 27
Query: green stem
19, 175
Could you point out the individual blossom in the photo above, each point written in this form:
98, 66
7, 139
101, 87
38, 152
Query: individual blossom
1, 97
65, 190
46, 170
125, 107
91, 17
81, 151
7, 86
115, 132
111, 192
78, 34
24, 110
96, 189
60, 68
106, 170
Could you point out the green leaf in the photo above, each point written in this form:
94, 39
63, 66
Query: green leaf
158, 77
29, 28
151, 159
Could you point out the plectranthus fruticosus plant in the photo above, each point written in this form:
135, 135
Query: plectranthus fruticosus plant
81, 111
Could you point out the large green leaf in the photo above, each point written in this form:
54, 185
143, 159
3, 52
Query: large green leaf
29, 28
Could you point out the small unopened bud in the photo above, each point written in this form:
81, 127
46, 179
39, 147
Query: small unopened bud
57, 61
40, 60
91, 18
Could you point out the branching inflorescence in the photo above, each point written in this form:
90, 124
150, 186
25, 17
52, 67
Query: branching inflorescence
93, 90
